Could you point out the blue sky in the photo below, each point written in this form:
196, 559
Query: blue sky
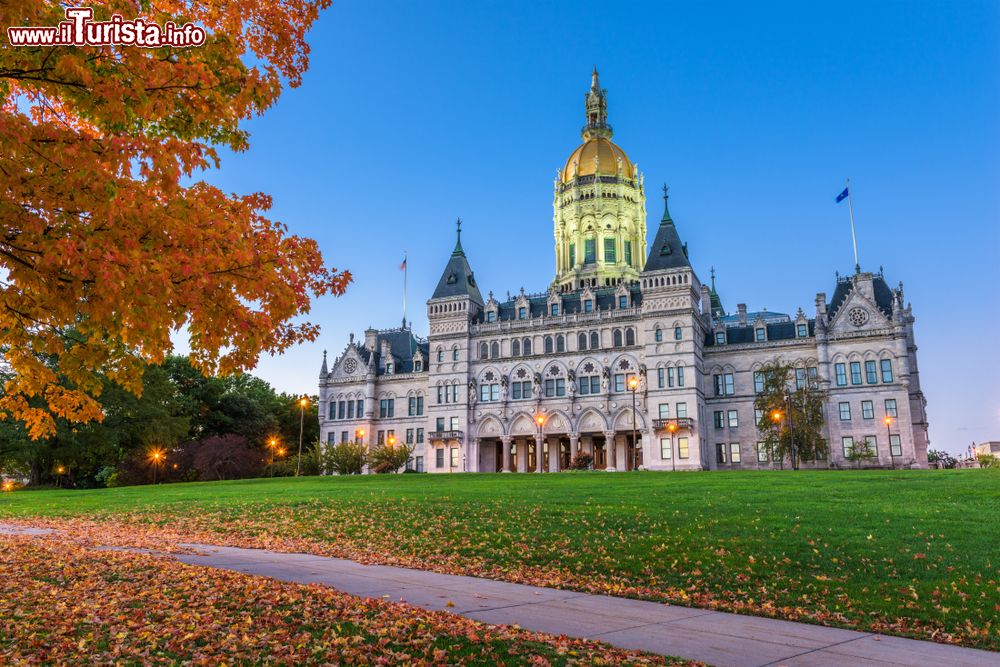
413, 114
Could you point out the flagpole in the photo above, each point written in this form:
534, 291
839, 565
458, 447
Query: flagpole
406, 268
854, 239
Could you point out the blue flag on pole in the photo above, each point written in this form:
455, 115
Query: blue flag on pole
842, 196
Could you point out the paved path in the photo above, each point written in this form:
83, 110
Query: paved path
697, 634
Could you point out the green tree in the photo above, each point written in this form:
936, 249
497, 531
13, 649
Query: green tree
347, 458
860, 452
791, 418
389, 458
988, 461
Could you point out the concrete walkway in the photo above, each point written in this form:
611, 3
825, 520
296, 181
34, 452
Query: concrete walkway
697, 634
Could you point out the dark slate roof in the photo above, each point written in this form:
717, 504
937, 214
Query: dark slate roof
768, 316
458, 279
570, 302
883, 295
403, 344
667, 251
775, 331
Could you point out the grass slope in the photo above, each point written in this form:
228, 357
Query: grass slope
908, 552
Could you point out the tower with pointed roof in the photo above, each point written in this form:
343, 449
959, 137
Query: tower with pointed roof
599, 207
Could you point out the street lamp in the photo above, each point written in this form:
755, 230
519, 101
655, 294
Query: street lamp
888, 435
303, 402
60, 471
392, 441
156, 456
672, 426
633, 385
776, 418
359, 436
540, 420
272, 446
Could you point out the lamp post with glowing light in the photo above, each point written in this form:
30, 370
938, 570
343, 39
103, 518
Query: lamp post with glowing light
303, 402
776, 418
633, 385
359, 436
672, 427
272, 446
60, 471
540, 420
156, 457
888, 435
391, 440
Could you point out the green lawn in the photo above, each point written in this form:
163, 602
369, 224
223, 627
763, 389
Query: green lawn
907, 552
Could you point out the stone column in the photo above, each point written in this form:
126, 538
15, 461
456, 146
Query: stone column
539, 452
522, 455
505, 444
574, 444
472, 460
610, 447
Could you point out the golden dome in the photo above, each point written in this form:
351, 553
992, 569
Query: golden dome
582, 160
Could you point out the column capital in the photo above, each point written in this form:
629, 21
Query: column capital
506, 439
609, 434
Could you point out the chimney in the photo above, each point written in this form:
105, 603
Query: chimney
741, 309
371, 335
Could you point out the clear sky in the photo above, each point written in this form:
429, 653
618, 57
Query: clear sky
415, 113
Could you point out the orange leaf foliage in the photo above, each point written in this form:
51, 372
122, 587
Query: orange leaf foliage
67, 604
108, 245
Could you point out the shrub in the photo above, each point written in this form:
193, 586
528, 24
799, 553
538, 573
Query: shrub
944, 458
582, 461
226, 457
988, 461
347, 458
107, 476
386, 459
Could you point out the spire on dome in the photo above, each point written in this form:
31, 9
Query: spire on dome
717, 310
596, 103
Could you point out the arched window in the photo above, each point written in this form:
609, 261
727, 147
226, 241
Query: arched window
526, 346
560, 343
494, 350
630, 336
484, 350
678, 333
616, 338
581, 341
515, 348
659, 335
548, 345
440, 355
454, 354
595, 340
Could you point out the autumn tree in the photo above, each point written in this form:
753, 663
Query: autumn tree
110, 242
790, 406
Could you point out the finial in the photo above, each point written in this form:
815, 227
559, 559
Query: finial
712, 273
666, 209
458, 243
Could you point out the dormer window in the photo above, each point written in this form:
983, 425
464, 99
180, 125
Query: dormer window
588, 305
418, 366
491, 316
554, 309
760, 334
802, 330
522, 313
388, 369
720, 337
623, 301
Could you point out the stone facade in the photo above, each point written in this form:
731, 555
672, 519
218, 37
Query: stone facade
627, 357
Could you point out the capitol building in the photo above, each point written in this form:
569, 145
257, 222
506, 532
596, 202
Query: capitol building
627, 356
